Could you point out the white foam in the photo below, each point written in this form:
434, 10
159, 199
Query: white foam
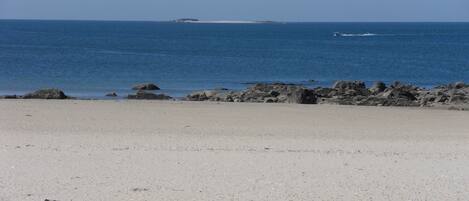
354, 35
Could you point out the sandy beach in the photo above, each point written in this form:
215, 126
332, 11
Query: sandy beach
172, 150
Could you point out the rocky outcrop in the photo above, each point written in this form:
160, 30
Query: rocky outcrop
143, 95
145, 86
455, 95
398, 94
278, 93
259, 93
356, 93
213, 95
46, 94
451, 94
349, 85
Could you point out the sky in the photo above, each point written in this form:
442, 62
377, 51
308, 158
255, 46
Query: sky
277, 10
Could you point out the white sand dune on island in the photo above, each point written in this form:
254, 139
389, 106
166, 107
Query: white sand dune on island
197, 21
150, 150
225, 22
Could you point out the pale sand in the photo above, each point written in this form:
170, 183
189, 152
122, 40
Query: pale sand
144, 150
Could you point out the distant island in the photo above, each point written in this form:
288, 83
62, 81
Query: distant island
193, 20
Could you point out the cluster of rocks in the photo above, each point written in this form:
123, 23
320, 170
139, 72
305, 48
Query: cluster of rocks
343, 93
143, 93
356, 93
454, 95
40, 94
259, 93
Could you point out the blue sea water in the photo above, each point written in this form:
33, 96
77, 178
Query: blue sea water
90, 58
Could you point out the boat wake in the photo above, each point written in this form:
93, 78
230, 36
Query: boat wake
338, 34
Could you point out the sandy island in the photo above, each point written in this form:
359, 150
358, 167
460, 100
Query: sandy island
150, 150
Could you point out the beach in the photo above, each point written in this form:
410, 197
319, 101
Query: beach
177, 150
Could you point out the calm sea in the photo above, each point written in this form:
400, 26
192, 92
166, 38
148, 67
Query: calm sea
90, 58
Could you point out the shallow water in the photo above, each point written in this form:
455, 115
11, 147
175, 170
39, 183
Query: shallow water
90, 58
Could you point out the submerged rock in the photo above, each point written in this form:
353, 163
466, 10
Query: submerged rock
46, 94
145, 86
112, 94
143, 95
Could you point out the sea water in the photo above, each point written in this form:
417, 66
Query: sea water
90, 58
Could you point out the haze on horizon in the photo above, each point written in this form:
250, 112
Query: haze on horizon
278, 10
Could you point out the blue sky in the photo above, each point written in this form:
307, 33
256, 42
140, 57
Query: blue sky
279, 10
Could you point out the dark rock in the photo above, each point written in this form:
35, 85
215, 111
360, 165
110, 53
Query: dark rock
396, 93
400, 85
441, 98
457, 85
427, 99
270, 100
452, 94
302, 96
349, 88
378, 87
212, 95
284, 93
112, 94
260, 93
349, 85
221, 89
355, 93
458, 98
373, 101
146, 86
46, 94
197, 96
274, 93
325, 92
9, 97
336, 101
403, 91
143, 95
344, 93
344, 100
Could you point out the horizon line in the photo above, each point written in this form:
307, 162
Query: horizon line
274, 21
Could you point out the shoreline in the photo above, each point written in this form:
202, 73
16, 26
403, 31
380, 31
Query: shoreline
454, 96
180, 93
228, 104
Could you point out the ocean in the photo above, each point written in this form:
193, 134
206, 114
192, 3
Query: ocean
90, 58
